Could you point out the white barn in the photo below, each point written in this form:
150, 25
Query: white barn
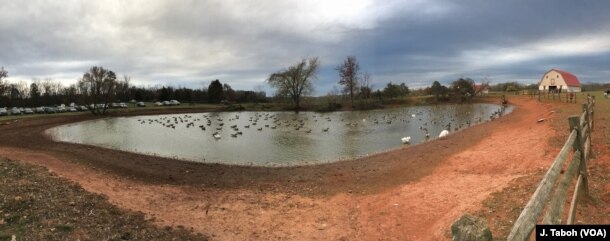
558, 81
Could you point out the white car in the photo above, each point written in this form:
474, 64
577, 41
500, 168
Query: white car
174, 102
15, 111
141, 104
158, 103
28, 111
165, 102
3, 111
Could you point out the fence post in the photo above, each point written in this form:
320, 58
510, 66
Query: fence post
580, 142
585, 108
592, 111
583, 162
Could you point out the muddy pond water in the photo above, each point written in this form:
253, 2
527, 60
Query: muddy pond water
275, 138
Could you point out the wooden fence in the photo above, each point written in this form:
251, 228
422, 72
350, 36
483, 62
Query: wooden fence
578, 143
568, 97
578, 146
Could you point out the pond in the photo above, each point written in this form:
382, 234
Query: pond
275, 138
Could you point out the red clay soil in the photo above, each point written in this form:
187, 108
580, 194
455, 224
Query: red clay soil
413, 193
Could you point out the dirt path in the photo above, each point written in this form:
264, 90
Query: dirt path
409, 194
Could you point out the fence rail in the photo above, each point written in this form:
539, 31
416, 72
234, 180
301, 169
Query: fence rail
577, 149
568, 97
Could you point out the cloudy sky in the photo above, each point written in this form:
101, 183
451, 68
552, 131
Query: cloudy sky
241, 42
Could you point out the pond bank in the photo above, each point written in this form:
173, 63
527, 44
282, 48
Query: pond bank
406, 193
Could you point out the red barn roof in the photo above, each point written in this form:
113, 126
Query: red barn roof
570, 79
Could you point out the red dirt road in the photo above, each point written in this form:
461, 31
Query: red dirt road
414, 193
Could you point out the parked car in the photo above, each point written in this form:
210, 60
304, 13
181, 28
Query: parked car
61, 109
50, 110
114, 105
39, 109
83, 108
71, 109
174, 102
122, 105
28, 111
72, 104
158, 103
15, 111
165, 102
140, 104
3, 111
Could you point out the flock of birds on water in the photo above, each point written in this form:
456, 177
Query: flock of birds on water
216, 124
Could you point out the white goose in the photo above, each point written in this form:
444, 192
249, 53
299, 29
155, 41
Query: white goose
443, 134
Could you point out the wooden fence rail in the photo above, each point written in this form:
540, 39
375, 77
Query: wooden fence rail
578, 146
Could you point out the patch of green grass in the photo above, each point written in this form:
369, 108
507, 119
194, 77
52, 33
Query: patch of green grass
4, 236
64, 228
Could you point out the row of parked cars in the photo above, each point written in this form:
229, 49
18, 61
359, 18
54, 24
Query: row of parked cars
75, 108
41, 110
167, 103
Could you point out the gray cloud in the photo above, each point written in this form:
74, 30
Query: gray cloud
187, 43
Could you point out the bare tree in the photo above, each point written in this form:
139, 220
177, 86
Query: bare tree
296, 81
98, 86
3, 73
365, 86
3, 86
122, 89
348, 72
478, 89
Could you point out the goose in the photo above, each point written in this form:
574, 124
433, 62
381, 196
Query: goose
326, 129
406, 140
443, 134
217, 136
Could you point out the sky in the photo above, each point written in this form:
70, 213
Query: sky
190, 43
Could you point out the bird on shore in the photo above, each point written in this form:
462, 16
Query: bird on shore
443, 134
406, 140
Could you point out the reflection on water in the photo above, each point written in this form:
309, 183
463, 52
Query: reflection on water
274, 138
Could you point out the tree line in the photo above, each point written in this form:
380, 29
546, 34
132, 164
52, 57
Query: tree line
295, 82
102, 86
